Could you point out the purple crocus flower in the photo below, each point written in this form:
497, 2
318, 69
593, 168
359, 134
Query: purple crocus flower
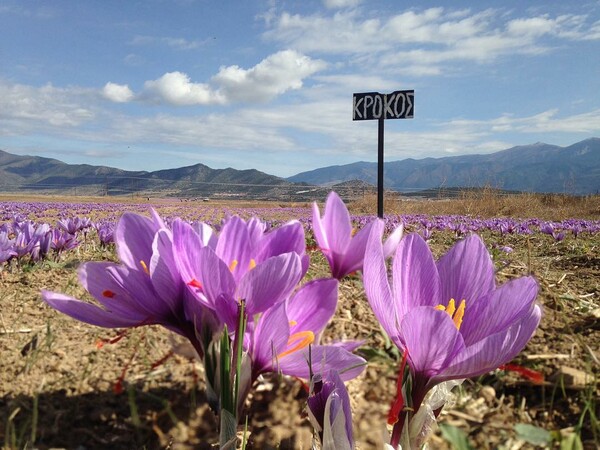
243, 263
448, 317
280, 341
61, 241
75, 224
6, 247
333, 232
329, 411
144, 289
41, 237
106, 231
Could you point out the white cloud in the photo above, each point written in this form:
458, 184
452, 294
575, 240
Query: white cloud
341, 3
118, 93
177, 89
172, 42
28, 107
271, 77
428, 38
214, 131
343, 33
549, 121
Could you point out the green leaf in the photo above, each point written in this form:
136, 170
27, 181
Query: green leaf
571, 442
456, 437
532, 434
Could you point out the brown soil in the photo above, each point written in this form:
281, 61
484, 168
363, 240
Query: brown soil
59, 388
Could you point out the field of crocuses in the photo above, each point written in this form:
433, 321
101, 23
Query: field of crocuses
168, 324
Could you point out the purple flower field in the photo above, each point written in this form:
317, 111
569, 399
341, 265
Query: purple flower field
350, 331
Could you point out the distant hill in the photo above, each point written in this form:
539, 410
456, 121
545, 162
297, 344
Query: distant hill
533, 168
34, 173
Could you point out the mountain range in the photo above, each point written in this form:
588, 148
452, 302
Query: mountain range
35, 173
533, 168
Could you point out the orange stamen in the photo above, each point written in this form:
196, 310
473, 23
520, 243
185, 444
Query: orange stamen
252, 264
305, 338
456, 314
451, 308
145, 267
460, 313
233, 265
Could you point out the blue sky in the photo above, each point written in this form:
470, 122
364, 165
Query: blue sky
157, 84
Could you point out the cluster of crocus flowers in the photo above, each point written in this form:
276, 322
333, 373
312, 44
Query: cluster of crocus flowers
238, 296
195, 281
447, 317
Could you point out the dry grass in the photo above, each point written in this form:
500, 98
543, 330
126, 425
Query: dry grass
489, 203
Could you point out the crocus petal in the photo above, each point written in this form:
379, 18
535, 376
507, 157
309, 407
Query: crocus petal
467, 270
235, 246
138, 286
318, 228
353, 257
342, 402
196, 262
284, 239
184, 235
270, 282
335, 434
133, 238
376, 284
499, 309
324, 358
431, 339
335, 224
391, 243
163, 271
96, 279
226, 309
416, 279
270, 339
214, 275
158, 221
350, 345
86, 312
208, 238
493, 351
313, 306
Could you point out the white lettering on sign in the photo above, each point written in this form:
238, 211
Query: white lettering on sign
373, 105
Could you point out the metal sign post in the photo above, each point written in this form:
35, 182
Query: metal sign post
376, 106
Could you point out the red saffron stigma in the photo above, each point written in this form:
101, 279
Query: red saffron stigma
532, 375
195, 283
398, 404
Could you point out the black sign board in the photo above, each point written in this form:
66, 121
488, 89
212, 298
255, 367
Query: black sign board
376, 106
373, 105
